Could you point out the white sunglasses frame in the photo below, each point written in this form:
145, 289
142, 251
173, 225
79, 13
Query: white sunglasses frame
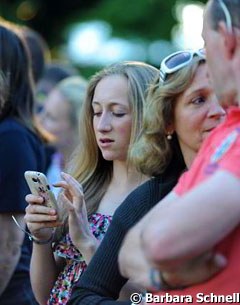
227, 16
164, 70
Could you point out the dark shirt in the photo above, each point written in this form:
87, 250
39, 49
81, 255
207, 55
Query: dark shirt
20, 150
101, 283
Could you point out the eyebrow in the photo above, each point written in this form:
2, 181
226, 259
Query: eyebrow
198, 90
110, 104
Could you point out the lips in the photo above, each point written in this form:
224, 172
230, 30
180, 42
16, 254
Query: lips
105, 140
209, 130
212, 127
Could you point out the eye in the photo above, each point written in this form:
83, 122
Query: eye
198, 100
97, 113
118, 115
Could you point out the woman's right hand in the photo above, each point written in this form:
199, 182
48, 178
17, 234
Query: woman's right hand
39, 218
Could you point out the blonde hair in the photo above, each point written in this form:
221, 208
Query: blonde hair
73, 89
88, 165
152, 153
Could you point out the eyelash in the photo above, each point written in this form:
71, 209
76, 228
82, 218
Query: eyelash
118, 115
195, 101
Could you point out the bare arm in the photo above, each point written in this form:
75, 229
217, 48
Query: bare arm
180, 230
43, 268
43, 272
11, 239
134, 264
73, 201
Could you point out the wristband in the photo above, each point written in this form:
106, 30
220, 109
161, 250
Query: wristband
31, 237
41, 242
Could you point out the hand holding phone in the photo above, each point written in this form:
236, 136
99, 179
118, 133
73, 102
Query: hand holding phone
39, 186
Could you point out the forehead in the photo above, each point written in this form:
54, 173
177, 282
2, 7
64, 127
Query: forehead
112, 89
200, 80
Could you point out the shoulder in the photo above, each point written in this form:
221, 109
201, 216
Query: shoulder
10, 126
11, 129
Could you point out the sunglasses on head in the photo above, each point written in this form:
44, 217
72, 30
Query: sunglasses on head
227, 15
177, 61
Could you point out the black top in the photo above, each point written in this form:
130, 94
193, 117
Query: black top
101, 283
20, 150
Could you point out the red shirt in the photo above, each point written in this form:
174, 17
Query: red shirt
221, 150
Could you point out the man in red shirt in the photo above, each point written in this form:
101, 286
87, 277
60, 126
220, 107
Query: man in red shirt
203, 212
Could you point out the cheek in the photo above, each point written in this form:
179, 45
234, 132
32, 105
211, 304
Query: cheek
196, 119
125, 130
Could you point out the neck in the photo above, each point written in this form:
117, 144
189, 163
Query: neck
126, 176
189, 158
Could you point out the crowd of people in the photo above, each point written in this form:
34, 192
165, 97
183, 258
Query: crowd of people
144, 163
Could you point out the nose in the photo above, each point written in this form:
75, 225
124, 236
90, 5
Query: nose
104, 122
216, 110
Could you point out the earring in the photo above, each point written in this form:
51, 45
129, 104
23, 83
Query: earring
169, 137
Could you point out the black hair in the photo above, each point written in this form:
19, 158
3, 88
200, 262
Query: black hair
17, 99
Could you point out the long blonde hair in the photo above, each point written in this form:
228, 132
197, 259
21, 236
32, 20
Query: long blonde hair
88, 165
152, 152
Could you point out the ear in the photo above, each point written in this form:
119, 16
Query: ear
170, 128
229, 40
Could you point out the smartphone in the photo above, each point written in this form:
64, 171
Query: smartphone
39, 186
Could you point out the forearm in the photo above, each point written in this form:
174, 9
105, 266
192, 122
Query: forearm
43, 272
88, 249
11, 239
193, 224
8, 263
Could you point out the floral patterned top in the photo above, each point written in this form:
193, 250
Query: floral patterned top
75, 263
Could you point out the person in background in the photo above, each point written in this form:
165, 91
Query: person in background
178, 115
202, 214
59, 117
20, 150
53, 73
110, 122
39, 51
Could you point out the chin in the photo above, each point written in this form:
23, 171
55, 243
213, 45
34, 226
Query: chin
111, 157
108, 157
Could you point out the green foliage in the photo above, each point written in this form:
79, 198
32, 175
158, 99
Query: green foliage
148, 19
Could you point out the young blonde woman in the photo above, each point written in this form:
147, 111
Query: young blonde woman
181, 110
110, 122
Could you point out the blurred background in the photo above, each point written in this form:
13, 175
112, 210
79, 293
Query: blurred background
90, 34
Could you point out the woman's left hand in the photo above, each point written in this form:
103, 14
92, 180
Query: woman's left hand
73, 199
